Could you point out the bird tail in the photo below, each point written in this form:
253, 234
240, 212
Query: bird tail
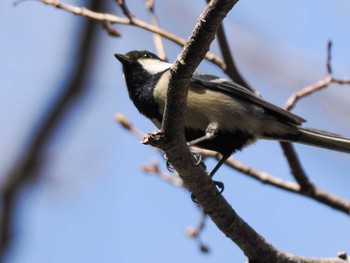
323, 139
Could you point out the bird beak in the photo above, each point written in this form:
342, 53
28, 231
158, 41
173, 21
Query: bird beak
122, 58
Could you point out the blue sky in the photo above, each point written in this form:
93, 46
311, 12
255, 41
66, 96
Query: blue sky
94, 204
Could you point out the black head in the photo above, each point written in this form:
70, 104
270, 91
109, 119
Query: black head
135, 56
142, 70
133, 60
140, 67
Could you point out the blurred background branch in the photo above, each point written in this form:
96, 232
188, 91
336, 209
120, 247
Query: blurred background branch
27, 169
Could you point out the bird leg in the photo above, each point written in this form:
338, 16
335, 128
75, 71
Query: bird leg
210, 133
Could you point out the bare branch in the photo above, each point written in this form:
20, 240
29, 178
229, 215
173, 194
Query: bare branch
324, 83
124, 122
231, 68
125, 9
158, 41
196, 232
110, 31
296, 168
155, 169
316, 193
82, 11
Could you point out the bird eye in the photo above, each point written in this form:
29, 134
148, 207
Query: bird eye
146, 55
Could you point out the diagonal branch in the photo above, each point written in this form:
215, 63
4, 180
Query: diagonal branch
231, 68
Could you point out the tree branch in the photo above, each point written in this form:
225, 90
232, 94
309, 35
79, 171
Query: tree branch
231, 68
316, 194
82, 11
324, 83
158, 41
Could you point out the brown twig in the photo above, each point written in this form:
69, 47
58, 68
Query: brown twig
158, 41
126, 124
324, 83
125, 9
110, 31
154, 168
196, 232
297, 169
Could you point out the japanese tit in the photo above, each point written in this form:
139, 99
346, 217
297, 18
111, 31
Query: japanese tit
220, 115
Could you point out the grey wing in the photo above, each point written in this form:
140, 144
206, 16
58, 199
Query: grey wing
200, 80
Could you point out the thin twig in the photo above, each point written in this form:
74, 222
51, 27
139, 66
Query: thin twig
297, 169
158, 41
324, 83
154, 168
196, 232
111, 31
125, 9
126, 124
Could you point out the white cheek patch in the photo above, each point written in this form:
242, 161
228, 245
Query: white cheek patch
153, 66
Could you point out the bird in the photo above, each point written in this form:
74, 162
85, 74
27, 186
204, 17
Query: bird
220, 115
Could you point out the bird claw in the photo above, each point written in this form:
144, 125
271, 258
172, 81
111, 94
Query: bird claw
198, 158
170, 167
219, 185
